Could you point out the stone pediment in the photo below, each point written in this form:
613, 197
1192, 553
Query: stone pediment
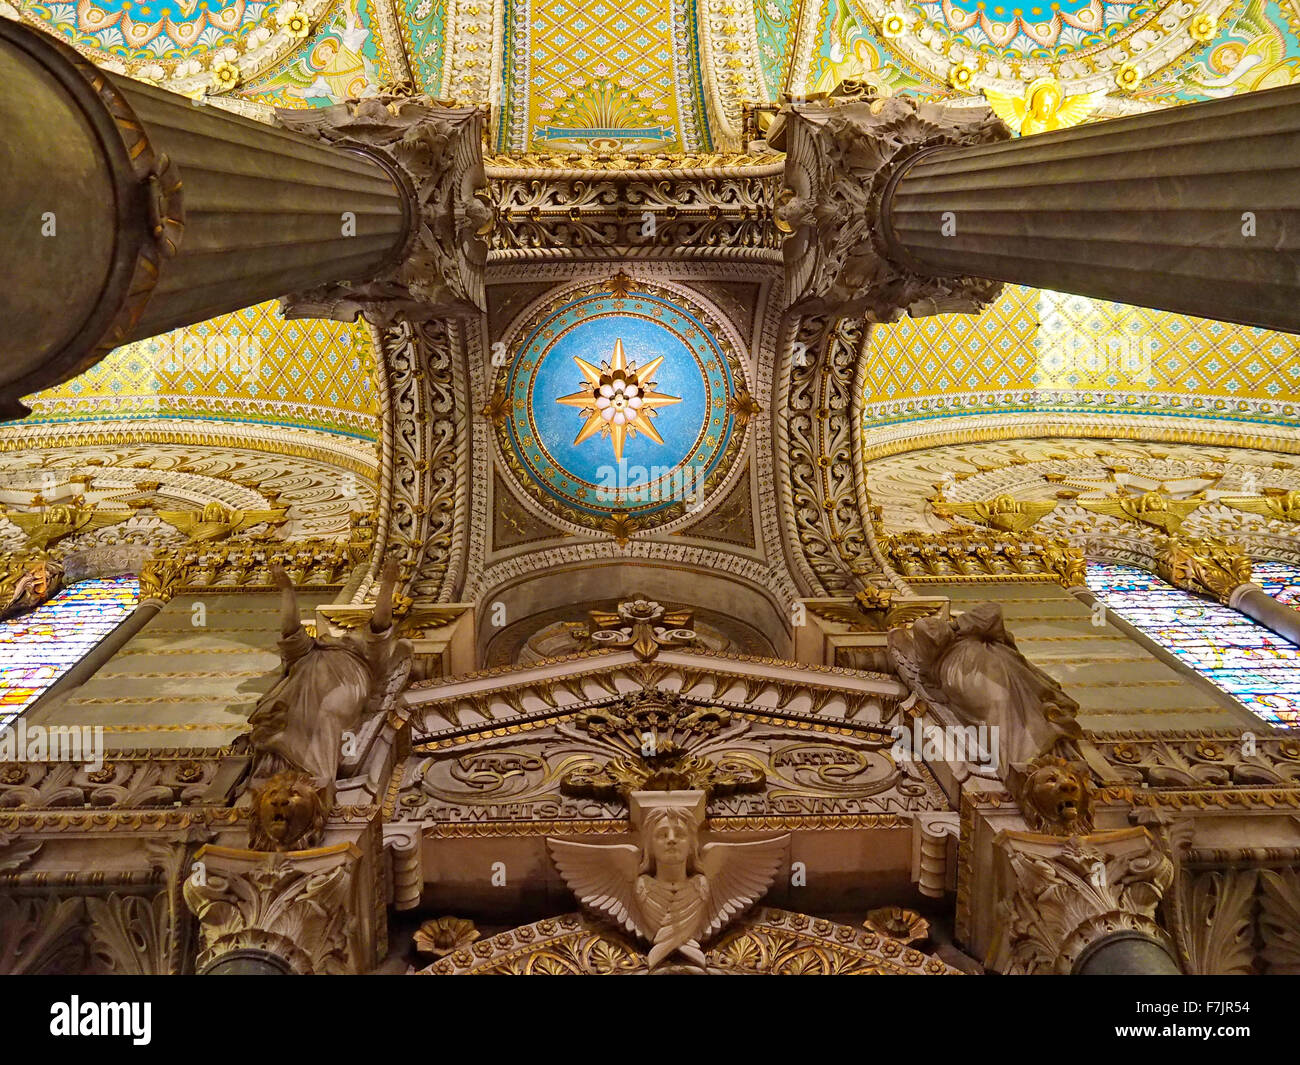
523, 749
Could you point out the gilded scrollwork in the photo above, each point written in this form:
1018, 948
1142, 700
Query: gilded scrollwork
768, 942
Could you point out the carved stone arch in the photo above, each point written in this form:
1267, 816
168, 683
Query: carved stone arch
768, 942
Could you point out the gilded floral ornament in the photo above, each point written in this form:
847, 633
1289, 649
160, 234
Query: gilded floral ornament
640, 624
960, 75
1205, 566
1203, 28
894, 922
1128, 77
292, 20
443, 935
225, 76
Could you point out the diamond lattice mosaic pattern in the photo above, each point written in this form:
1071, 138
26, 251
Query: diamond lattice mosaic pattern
617, 73
1037, 350
249, 366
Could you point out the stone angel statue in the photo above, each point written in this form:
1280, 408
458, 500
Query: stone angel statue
670, 889
329, 686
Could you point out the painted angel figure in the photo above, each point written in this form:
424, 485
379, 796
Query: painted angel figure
329, 687
670, 890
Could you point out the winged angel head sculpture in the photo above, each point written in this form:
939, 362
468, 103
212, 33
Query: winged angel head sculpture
669, 888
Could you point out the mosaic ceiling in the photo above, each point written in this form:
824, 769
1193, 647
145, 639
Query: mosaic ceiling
618, 401
251, 366
1037, 351
673, 75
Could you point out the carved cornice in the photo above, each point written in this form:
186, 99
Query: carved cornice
436, 153
246, 565
840, 156
719, 206
986, 556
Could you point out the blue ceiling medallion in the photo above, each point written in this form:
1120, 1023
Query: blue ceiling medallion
617, 404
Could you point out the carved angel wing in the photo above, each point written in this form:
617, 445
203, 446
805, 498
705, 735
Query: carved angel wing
739, 874
246, 519
1074, 109
1252, 505
182, 521
98, 519
1011, 109
603, 876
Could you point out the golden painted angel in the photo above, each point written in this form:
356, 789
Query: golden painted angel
1044, 107
217, 522
57, 521
1150, 508
1277, 504
1004, 512
669, 889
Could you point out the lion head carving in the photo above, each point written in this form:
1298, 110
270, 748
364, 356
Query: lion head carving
287, 814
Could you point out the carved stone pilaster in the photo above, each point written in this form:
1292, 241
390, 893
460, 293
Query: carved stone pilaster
301, 908
931, 867
840, 158
1061, 896
436, 154
1206, 566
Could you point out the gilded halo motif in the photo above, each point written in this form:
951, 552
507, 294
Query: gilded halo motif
616, 405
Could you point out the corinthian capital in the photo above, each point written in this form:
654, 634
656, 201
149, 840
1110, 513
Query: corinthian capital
1208, 566
299, 909
840, 157
1061, 895
436, 155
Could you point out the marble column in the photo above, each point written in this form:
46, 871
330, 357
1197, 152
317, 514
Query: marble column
1191, 209
1258, 605
131, 211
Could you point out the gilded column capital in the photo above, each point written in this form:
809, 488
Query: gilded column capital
841, 156
436, 154
1205, 566
1062, 895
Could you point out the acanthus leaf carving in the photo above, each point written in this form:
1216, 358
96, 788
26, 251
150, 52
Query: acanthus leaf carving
438, 153
839, 158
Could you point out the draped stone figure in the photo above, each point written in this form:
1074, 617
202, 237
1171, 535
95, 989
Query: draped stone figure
329, 687
668, 888
972, 667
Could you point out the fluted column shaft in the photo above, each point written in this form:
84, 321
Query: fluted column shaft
1192, 209
129, 211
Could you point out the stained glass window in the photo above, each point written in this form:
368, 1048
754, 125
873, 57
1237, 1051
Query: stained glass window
1253, 664
37, 648
1280, 579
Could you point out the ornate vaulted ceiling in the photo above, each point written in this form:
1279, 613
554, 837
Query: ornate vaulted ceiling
603, 86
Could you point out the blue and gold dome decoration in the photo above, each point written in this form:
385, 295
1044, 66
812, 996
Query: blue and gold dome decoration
616, 405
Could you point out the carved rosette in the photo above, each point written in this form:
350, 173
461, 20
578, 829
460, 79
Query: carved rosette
1059, 896
300, 907
1205, 566
436, 155
840, 158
